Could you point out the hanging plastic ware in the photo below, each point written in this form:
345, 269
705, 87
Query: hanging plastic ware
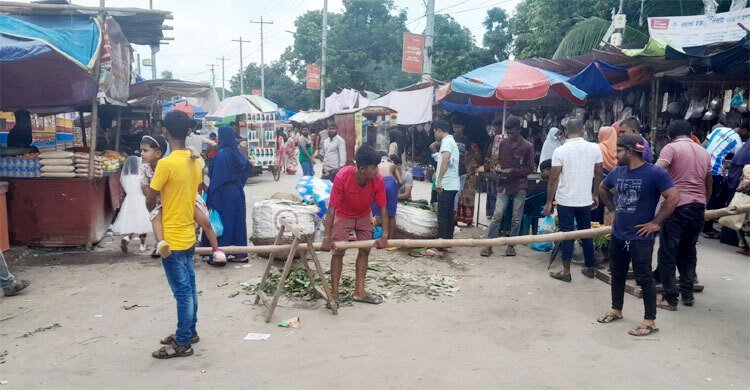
216, 224
546, 225
737, 99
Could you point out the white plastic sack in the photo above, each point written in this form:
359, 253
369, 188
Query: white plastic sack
268, 214
415, 222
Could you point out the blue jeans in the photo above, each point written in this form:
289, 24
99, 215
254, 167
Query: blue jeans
307, 168
181, 278
569, 218
6, 278
503, 199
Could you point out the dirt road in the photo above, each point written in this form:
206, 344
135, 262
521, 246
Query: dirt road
509, 326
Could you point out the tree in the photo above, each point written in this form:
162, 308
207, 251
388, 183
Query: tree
166, 74
497, 37
454, 50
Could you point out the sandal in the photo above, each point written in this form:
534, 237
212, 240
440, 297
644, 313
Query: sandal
172, 350
636, 331
663, 304
369, 298
486, 252
432, 252
608, 317
173, 339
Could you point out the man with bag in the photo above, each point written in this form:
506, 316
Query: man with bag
576, 165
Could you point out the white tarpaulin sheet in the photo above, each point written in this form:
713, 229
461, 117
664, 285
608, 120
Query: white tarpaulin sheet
699, 30
413, 107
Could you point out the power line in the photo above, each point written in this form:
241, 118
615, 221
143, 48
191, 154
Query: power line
242, 68
262, 64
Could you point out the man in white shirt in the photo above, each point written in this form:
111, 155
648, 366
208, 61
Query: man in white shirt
579, 162
195, 141
722, 141
333, 154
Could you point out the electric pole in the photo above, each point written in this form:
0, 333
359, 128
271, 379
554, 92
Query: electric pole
222, 59
262, 65
242, 67
138, 56
213, 75
324, 44
429, 32
153, 52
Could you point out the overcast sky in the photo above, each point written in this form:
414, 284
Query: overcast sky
204, 29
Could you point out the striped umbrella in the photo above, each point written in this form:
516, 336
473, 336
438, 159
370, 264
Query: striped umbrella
503, 84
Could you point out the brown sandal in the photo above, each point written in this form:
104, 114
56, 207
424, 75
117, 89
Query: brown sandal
172, 338
607, 318
172, 350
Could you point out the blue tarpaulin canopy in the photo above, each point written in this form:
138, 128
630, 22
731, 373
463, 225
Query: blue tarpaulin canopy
598, 77
45, 62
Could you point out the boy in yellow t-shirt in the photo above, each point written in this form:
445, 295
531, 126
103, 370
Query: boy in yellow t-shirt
176, 180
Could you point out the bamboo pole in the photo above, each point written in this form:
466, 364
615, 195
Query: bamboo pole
455, 243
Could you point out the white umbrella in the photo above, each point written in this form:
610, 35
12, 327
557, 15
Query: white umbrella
235, 105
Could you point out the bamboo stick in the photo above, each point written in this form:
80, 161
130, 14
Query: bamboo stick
467, 242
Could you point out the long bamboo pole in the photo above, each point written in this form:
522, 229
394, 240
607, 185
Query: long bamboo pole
468, 242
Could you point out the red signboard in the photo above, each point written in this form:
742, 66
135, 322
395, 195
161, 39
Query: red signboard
413, 54
313, 76
659, 23
256, 92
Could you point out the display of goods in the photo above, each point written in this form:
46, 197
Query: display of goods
56, 155
59, 175
56, 161
19, 167
263, 156
268, 215
414, 222
58, 168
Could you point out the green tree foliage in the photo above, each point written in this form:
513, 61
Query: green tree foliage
497, 37
454, 51
586, 36
166, 74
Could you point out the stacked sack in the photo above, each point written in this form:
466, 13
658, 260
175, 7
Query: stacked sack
81, 161
57, 164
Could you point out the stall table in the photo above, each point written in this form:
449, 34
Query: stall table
51, 212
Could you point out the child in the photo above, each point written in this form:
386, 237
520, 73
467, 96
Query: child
133, 216
152, 149
392, 181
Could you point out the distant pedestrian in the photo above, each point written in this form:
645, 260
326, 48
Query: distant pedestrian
515, 162
555, 139
306, 159
638, 185
491, 163
333, 154
690, 167
575, 166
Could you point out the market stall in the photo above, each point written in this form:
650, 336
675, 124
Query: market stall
64, 59
365, 126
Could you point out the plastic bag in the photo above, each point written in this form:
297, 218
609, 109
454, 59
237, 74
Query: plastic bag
546, 225
216, 223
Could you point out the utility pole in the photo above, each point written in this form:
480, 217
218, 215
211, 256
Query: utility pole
213, 75
222, 59
262, 64
323, 46
153, 53
242, 66
138, 57
429, 32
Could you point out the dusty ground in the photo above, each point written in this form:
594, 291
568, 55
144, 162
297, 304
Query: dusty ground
509, 326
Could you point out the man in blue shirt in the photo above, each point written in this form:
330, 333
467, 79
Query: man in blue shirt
637, 186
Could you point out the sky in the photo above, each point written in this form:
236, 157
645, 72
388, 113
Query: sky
204, 30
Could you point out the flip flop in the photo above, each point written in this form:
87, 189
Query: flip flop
607, 318
651, 330
432, 253
369, 298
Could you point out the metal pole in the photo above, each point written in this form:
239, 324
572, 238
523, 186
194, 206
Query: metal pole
213, 76
429, 32
323, 46
262, 62
138, 56
242, 66
153, 63
222, 77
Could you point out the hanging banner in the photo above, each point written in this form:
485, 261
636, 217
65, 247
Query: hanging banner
413, 54
699, 30
313, 76
115, 61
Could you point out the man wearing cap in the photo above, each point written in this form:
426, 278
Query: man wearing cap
637, 186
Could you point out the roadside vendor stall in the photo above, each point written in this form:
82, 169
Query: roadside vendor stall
365, 126
64, 59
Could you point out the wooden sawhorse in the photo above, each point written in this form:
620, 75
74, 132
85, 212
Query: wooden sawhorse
299, 237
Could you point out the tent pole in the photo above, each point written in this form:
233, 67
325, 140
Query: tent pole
119, 129
95, 104
505, 107
83, 129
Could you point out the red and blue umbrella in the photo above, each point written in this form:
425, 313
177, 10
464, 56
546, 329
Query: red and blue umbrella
503, 84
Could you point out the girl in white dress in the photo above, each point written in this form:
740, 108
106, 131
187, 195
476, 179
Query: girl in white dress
133, 217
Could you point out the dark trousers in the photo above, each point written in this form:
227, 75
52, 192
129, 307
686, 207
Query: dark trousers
719, 199
576, 218
677, 238
621, 253
446, 215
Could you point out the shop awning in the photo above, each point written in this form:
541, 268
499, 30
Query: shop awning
200, 94
602, 79
732, 59
309, 117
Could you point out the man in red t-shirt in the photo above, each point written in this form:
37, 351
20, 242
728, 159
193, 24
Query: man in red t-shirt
354, 189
